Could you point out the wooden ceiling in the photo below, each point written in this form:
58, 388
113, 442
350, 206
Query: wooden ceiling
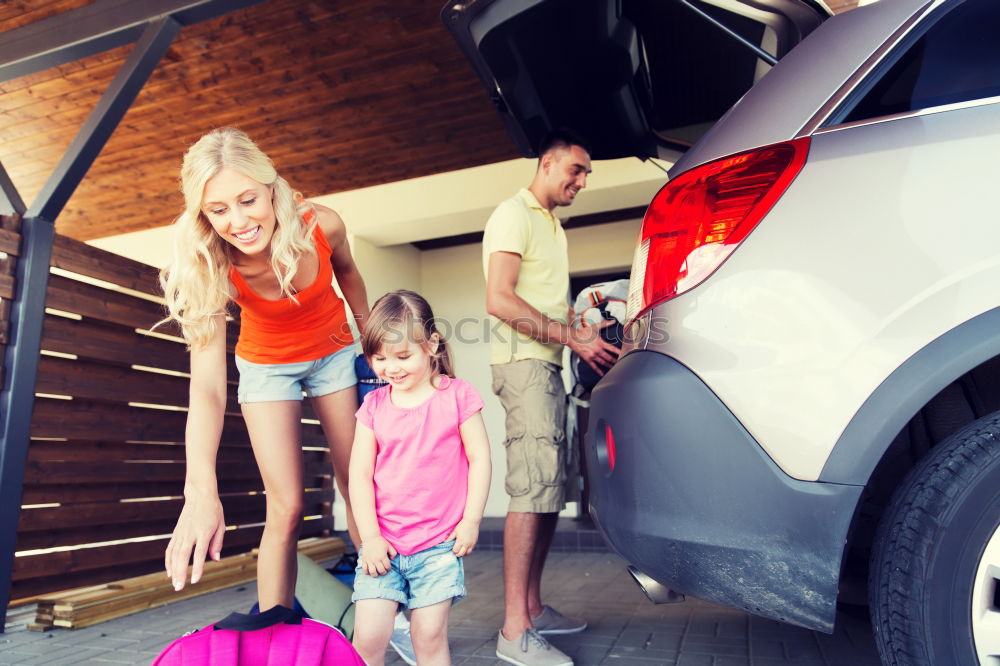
341, 94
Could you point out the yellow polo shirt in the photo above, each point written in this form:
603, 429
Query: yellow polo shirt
522, 226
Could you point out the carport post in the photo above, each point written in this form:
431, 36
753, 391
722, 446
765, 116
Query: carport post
28, 307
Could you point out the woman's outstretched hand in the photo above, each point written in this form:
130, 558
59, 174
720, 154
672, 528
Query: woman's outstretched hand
198, 534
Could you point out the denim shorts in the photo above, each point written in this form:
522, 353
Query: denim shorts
267, 382
422, 579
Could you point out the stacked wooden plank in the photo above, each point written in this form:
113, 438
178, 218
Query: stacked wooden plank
82, 607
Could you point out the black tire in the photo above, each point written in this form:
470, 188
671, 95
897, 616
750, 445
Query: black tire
928, 547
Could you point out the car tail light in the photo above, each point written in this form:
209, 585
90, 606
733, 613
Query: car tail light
697, 219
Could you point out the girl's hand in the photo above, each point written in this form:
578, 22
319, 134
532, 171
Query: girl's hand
465, 534
376, 554
199, 532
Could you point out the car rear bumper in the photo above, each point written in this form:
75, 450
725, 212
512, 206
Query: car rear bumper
695, 503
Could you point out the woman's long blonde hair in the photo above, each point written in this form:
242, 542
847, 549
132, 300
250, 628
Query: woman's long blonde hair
196, 283
409, 313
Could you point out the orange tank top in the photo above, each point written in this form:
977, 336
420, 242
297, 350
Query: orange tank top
283, 331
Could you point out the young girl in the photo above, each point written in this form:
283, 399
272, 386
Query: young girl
420, 473
244, 236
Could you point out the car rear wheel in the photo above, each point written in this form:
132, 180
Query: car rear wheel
933, 588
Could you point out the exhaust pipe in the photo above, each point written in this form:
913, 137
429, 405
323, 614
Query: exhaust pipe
654, 590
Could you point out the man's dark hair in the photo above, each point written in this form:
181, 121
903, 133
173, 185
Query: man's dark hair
561, 137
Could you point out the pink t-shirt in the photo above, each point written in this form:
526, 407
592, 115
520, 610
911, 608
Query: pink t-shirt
421, 470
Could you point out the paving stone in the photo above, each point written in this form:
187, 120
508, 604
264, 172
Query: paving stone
587, 655
802, 650
625, 628
465, 646
715, 648
73, 657
735, 628
586, 639
18, 658
59, 655
732, 661
480, 661
627, 660
665, 640
621, 651
34, 649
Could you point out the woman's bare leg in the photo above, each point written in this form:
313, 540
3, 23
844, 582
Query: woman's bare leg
275, 433
336, 415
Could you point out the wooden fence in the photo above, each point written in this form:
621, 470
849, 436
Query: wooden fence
105, 471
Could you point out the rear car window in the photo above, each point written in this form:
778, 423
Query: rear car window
957, 59
695, 71
618, 69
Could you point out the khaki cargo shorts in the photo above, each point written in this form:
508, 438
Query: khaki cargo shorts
541, 467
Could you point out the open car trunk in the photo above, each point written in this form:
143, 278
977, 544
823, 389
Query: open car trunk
638, 78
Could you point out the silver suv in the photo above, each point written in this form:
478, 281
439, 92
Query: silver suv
808, 403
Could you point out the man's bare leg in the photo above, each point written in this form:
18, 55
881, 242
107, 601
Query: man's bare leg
520, 541
545, 531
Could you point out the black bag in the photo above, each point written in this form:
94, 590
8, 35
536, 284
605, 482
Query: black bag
586, 377
368, 381
595, 304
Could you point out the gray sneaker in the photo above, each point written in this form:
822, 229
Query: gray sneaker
530, 649
552, 621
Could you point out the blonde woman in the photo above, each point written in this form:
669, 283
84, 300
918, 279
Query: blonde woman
245, 236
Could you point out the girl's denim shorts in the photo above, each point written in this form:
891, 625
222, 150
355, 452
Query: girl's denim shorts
264, 382
415, 581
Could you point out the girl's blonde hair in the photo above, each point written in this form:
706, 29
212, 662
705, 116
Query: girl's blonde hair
409, 312
196, 282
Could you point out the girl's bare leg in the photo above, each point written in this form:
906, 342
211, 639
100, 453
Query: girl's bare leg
373, 628
429, 630
275, 434
336, 415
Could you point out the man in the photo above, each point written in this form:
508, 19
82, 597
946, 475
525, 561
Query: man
527, 285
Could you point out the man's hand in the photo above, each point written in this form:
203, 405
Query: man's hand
588, 344
376, 554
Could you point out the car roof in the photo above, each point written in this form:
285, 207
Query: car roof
799, 89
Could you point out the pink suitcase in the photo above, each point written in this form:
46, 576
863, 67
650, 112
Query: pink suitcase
277, 637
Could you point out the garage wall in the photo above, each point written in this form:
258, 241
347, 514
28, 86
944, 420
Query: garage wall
452, 281
386, 268
601, 248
